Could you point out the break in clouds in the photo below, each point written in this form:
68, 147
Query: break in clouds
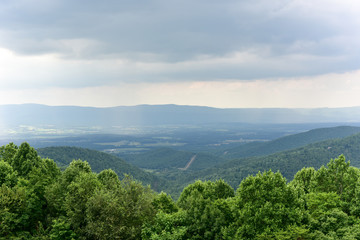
102, 43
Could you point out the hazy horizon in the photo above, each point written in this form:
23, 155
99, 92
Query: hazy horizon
172, 104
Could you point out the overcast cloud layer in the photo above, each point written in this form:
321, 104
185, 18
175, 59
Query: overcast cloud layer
63, 44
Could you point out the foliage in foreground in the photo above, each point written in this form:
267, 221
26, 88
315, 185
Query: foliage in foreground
38, 201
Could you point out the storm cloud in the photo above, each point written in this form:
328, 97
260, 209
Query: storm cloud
63, 47
185, 40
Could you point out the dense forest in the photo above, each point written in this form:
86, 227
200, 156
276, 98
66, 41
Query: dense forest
287, 162
167, 158
290, 142
39, 201
99, 161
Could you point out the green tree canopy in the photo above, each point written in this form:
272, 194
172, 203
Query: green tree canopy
265, 203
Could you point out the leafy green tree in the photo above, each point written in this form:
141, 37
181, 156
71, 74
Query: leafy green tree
56, 192
333, 178
7, 175
22, 168
166, 226
36, 183
49, 170
12, 210
305, 179
351, 232
209, 190
348, 196
119, 213
292, 232
75, 168
25, 159
355, 206
339, 177
326, 214
79, 192
7, 152
265, 203
61, 230
108, 178
163, 202
206, 208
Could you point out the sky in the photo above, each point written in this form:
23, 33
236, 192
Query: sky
226, 54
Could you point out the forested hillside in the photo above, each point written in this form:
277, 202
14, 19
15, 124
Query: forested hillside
38, 201
209, 155
175, 169
99, 161
287, 162
167, 158
289, 142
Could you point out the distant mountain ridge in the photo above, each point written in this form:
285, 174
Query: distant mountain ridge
70, 116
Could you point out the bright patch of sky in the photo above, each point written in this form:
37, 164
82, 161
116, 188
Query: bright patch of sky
215, 53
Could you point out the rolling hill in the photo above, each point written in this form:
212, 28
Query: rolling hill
167, 158
100, 161
289, 142
170, 163
287, 162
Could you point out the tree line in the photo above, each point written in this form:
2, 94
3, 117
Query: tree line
38, 201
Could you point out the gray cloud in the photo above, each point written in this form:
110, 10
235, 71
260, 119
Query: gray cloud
282, 38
